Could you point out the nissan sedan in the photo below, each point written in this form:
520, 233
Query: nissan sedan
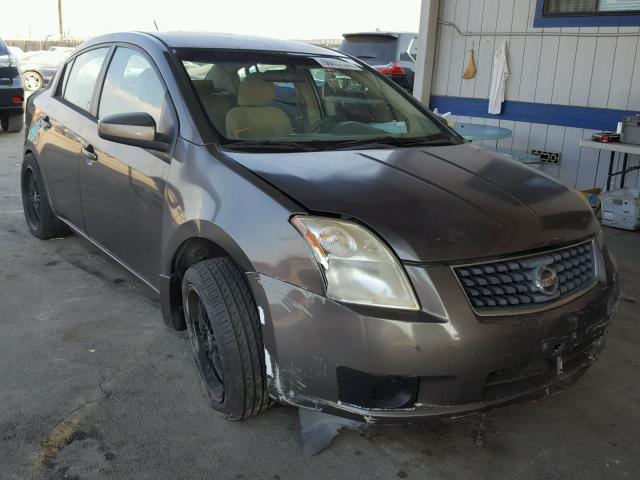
326, 240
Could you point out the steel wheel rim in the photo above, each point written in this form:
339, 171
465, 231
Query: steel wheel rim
32, 201
205, 345
32, 81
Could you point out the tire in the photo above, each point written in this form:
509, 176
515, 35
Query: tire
224, 329
41, 220
12, 124
32, 81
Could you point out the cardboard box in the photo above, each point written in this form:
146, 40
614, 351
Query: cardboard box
621, 209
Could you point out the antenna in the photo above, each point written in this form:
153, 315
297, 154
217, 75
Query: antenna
157, 29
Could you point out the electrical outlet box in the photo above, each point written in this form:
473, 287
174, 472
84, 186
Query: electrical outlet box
547, 157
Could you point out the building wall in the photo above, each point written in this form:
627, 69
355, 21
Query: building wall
602, 72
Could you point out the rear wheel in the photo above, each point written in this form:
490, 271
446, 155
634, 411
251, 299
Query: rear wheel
12, 124
32, 81
41, 220
223, 326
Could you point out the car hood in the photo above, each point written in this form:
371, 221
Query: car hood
432, 204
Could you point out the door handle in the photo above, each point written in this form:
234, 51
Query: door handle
46, 122
89, 153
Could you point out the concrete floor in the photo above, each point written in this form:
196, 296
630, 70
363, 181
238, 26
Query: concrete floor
93, 386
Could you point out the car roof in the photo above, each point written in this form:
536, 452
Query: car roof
218, 41
236, 42
379, 34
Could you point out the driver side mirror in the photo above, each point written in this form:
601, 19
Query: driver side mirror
136, 128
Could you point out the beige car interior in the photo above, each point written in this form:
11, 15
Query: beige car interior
246, 107
216, 102
255, 116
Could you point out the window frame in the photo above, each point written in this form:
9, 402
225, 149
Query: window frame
626, 18
147, 57
191, 54
595, 12
171, 113
61, 86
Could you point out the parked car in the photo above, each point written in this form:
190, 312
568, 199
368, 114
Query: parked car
38, 68
325, 239
17, 52
56, 48
11, 92
391, 53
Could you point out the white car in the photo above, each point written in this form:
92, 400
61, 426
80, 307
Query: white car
17, 52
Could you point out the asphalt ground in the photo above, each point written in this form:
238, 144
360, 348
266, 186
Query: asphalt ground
93, 386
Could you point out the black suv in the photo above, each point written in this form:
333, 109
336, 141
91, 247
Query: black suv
11, 92
391, 53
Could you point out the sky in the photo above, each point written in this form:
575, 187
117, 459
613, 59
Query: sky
291, 19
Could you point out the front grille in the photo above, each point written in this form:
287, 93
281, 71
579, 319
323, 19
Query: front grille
528, 281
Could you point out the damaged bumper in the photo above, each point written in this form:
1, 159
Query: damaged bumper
445, 361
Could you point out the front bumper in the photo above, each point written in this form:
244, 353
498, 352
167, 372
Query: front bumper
458, 362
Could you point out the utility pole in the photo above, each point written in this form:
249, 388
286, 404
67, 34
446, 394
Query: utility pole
60, 24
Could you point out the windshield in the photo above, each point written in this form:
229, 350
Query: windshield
298, 101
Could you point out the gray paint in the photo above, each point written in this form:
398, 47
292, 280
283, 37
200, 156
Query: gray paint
433, 206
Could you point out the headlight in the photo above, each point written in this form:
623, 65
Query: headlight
358, 267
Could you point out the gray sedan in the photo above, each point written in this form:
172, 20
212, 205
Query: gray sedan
326, 240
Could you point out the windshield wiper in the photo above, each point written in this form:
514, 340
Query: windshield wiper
269, 146
386, 142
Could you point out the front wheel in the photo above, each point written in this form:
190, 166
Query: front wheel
226, 340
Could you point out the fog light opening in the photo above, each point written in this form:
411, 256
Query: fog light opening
374, 391
391, 392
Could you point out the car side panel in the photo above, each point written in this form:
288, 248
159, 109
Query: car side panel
122, 201
55, 132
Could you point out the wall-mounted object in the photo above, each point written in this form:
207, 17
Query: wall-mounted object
499, 75
547, 157
471, 70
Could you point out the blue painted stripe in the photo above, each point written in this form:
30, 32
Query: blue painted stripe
603, 20
545, 113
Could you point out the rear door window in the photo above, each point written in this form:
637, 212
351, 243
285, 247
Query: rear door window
83, 76
62, 83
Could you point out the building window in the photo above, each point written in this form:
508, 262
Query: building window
590, 7
587, 13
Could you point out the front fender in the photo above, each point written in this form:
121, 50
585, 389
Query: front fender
212, 197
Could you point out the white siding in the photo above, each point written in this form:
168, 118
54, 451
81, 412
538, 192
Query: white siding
601, 72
